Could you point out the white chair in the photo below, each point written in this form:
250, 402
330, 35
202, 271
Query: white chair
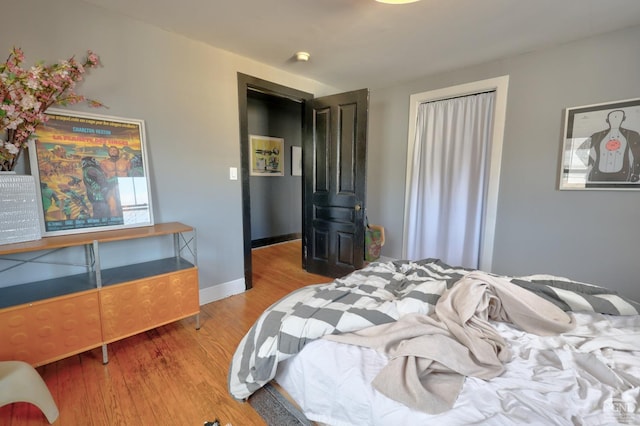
20, 382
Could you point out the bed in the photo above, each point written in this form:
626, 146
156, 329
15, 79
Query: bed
421, 342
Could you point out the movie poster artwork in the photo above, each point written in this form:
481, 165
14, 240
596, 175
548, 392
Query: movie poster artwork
92, 173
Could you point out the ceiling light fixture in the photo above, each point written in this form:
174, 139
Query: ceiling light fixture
302, 56
397, 1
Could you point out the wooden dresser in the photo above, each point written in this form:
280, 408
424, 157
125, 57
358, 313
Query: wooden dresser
47, 320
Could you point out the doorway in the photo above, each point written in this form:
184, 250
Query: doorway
275, 189
252, 87
334, 138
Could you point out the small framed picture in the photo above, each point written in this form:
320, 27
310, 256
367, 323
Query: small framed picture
91, 173
601, 146
296, 161
266, 155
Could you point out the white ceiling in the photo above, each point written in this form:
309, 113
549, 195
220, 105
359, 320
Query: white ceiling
362, 43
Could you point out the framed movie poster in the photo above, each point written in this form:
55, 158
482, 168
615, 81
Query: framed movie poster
601, 147
266, 155
92, 173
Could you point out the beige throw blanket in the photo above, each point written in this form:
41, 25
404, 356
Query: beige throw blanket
429, 356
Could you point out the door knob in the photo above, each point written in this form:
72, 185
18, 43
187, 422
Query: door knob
357, 207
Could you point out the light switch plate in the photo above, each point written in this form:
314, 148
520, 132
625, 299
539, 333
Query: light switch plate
233, 173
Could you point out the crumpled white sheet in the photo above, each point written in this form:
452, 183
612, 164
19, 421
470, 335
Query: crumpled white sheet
429, 356
588, 376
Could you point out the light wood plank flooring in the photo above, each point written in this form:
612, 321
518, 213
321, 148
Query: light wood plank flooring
172, 375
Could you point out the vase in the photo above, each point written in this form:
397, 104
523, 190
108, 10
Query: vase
19, 218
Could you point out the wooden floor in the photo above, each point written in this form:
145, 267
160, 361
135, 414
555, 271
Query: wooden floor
172, 375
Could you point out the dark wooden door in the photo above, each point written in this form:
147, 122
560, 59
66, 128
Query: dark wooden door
334, 161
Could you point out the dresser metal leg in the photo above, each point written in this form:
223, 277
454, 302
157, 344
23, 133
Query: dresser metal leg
105, 355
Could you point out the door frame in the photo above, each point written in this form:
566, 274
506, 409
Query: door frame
500, 85
248, 83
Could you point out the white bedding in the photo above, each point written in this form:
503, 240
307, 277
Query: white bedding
589, 376
378, 294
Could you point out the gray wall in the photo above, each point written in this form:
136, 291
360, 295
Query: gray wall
591, 236
187, 93
276, 201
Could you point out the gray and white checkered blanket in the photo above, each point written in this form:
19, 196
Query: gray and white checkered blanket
380, 293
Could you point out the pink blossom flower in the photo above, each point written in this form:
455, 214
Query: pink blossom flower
11, 148
25, 96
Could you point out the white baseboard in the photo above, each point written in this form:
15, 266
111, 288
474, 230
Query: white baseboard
221, 291
230, 288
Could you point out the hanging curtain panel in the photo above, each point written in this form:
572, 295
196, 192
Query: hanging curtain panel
447, 187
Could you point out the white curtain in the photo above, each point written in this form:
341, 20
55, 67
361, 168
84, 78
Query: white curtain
447, 185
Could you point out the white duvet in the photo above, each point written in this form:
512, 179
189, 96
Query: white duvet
589, 376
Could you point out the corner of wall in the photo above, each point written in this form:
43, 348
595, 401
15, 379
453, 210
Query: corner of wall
221, 291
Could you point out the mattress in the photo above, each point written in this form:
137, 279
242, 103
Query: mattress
588, 376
